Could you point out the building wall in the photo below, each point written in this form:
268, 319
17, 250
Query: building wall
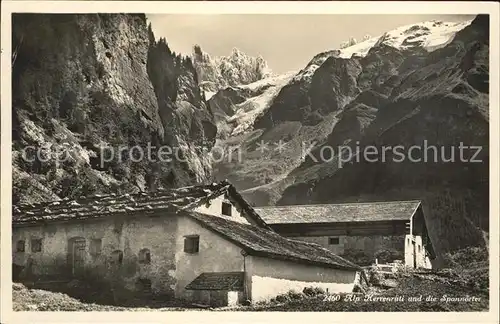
369, 244
416, 255
265, 277
215, 209
129, 235
234, 298
216, 254
323, 241
217, 298
270, 277
171, 269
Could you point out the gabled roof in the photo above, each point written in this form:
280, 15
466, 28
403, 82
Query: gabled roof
339, 213
98, 206
231, 281
266, 243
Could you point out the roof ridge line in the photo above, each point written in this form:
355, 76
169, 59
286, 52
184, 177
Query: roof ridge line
115, 195
347, 203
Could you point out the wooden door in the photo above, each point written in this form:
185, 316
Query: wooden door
78, 256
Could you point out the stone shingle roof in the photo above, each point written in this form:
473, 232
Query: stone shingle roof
339, 213
266, 243
231, 281
99, 206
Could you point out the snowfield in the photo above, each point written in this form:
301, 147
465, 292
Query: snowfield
429, 35
209, 94
250, 109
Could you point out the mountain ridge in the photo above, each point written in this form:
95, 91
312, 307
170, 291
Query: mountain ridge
390, 96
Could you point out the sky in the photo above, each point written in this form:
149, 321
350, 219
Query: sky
287, 42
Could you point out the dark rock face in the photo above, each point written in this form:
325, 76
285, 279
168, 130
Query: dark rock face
292, 104
225, 100
309, 99
189, 124
334, 85
223, 105
84, 82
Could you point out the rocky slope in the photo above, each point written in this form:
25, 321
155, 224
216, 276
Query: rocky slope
85, 82
426, 82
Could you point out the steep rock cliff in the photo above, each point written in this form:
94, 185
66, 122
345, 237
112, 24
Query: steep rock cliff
80, 87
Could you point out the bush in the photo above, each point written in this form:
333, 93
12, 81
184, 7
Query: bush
293, 295
359, 257
374, 277
466, 257
288, 297
389, 255
263, 302
480, 280
313, 291
282, 298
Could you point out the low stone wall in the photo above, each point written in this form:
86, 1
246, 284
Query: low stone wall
271, 277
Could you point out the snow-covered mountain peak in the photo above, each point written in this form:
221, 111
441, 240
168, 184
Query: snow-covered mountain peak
235, 69
429, 35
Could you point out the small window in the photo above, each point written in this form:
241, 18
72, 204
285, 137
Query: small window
95, 247
20, 246
419, 248
117, 257
144, 256
226, 208
192, 244
36, 245
333, 241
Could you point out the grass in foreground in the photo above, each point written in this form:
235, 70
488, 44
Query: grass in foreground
24, 299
